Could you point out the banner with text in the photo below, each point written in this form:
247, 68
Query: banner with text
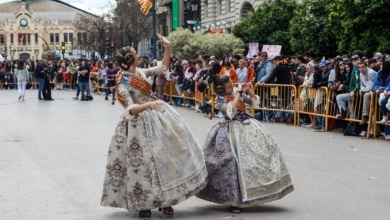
272, 50
253, 50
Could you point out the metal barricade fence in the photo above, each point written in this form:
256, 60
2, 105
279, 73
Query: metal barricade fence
276, 98
170, 91
314, 103
377, 115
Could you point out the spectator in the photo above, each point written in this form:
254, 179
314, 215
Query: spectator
84, 81
352, 89
300, 71
111, 73
367, 82
242, 72
22, 76
264, 68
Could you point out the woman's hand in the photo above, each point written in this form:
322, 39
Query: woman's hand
239, 86
245, 86
163, 40
155, 105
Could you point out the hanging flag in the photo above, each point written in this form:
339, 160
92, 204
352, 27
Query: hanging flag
146, 5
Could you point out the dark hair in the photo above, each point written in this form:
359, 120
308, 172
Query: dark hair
359, 53
301, 58
385, 71
349, 64
201, 86
372, 60
125, 57
278, 58
226, 63
216, 68
20, 65
220, 82
337, 69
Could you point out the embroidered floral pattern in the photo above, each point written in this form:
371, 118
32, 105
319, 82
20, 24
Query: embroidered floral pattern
138, 195
116, 170
244, 164
137, 161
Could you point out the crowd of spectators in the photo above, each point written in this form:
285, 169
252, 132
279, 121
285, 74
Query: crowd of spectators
347, 77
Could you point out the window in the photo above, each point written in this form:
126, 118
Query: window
12, 38
219, 7
227, 8
231, 5
2, 39
66, 37
36, 37
206, 9
80, 40
28, 38
57, 37
85, 38
71, 37
51, 38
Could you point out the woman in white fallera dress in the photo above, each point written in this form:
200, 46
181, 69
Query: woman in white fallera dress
154, 160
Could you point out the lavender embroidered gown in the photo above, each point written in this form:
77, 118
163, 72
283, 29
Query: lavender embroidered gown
244, 164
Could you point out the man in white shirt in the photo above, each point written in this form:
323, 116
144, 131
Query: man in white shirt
242, 72
367, 82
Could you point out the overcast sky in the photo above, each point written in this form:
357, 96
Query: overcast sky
92, 6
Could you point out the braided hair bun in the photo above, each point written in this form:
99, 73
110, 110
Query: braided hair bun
125, 57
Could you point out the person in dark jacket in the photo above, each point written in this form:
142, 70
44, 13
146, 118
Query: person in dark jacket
281, 72
39, 73
320, 78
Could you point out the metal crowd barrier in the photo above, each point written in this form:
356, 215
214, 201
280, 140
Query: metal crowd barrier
275, 98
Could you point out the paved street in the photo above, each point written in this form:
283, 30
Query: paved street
53, 157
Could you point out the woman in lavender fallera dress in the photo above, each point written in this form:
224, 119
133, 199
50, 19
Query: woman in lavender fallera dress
244, 164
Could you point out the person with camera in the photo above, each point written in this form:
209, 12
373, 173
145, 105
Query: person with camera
39, 73
84, 81
244, 164
48, 75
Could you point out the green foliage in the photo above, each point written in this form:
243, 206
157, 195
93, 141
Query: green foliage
269, 24
361, 24
310, 29
187, 45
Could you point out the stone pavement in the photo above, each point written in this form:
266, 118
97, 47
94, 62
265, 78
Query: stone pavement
53, 157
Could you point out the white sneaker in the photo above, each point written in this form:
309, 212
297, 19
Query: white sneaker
363, 133
387, 137
220, 115
384, 120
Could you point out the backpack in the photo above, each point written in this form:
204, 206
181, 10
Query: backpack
353, 129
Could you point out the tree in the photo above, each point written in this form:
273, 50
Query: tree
269, 24
132, 26
95, 28
187, 45
310, 29
361, 25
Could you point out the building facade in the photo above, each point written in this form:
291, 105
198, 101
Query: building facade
204, 15
36, 29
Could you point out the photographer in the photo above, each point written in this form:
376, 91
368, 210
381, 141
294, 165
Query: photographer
39, 73
84, 81
48, 73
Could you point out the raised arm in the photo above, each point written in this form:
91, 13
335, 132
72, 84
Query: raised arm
167, 53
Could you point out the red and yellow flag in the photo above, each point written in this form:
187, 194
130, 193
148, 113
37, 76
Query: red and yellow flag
146, 5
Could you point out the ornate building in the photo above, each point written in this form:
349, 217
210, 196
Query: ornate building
36, 29
204, 14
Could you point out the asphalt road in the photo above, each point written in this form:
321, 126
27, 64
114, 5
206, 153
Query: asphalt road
53, 157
